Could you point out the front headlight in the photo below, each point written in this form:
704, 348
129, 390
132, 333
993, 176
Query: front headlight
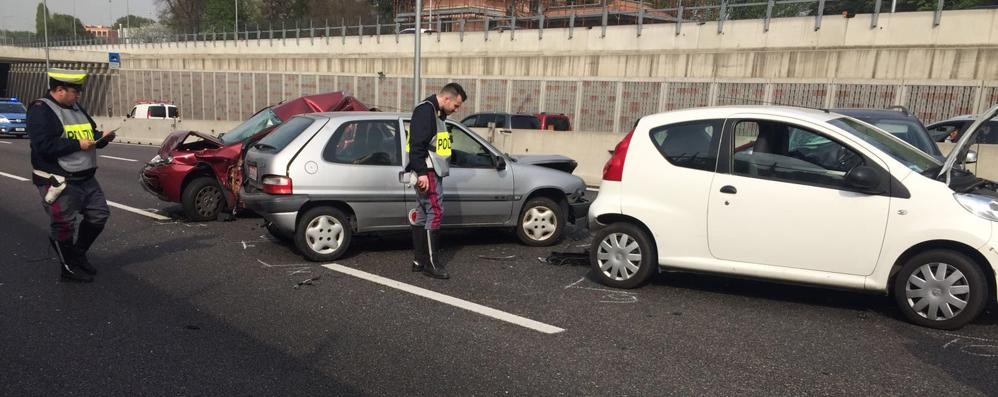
4, 120
160, 160
983, 206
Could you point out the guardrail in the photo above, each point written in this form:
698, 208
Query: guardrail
570, 17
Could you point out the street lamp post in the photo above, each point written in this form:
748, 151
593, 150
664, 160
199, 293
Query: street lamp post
237, 20
417, 58
45, 25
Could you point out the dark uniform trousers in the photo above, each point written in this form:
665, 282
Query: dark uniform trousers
79, 213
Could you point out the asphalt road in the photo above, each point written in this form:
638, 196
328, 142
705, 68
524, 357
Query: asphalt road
215, 308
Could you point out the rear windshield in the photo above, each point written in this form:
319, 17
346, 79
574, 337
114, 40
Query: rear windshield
525, 123
11, 108
283, 135
907, 130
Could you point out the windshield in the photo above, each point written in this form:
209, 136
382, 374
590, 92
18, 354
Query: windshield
912, 158
262, 119
11, 108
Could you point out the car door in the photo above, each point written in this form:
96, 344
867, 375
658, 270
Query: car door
783, 200
360, 165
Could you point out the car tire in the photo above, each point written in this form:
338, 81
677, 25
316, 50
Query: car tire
323, 234
541, 222
622, 256
203, 199
278, 234
927, 300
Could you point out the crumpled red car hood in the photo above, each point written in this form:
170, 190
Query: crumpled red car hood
177, 137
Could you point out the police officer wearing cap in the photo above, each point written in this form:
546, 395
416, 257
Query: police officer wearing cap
429, 148
64, 139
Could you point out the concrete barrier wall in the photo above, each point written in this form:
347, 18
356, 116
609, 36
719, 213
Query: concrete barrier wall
152, 132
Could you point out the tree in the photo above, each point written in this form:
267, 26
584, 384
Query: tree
59, 25
183, 16
133, 21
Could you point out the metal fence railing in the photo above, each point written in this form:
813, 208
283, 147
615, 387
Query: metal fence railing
558, 17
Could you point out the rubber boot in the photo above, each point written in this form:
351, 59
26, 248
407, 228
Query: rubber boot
67, 254
87, 235
435, 266
420, 255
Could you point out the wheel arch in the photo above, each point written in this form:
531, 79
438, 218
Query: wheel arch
950, 245
340, 205
611, 218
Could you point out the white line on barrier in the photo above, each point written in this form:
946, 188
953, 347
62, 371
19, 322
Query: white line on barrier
5, 142
133, 210
13, 176
456, 302
117, 158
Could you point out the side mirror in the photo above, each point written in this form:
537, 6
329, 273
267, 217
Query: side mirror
500, 163
865, 179
220, 135
971, 157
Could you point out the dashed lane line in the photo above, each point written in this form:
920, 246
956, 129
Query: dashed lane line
133, 210
449, 300
118, 158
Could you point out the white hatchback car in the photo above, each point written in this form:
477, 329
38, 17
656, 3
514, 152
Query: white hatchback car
803, 196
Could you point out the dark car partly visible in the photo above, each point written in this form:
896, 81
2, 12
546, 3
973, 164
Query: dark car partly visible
900, 123
943, 131
513, 121
204, 172
554, 122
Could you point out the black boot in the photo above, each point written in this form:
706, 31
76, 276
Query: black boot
87, 235
420, 255
68, 260
435, 266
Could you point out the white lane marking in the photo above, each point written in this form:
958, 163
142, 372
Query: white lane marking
456, 302
133, 210
135, 144
5, 142
13, 176
118, 158
592, 189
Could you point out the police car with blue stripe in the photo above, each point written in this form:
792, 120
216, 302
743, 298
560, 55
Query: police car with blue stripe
13, 117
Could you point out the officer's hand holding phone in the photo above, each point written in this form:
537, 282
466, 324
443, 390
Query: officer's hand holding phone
87, 145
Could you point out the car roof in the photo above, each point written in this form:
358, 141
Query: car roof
814, 115
893, 114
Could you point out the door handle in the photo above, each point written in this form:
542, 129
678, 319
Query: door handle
729, 189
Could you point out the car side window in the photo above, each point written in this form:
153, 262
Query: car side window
466, 152
788, 153
691, 144
365, 142
560, 124
526, 122
470, 121
988, 133
157, 112
945, 132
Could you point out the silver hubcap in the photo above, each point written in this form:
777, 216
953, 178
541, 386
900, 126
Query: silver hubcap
208, 200
937, 291
539, 223
618, 256
324, 234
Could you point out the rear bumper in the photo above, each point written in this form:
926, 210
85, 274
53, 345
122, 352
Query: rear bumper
578, 211
280, 210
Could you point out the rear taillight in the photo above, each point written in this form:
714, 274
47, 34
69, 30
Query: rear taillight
614, 168
275, 184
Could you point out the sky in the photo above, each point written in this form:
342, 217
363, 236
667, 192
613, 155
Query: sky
20, 14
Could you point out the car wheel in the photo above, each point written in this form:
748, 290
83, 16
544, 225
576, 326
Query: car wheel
278, 234
622, 256
202, 199
940, 289
323, 234
542, 222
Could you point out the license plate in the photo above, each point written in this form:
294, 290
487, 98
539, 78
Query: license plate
19, 129
251, 172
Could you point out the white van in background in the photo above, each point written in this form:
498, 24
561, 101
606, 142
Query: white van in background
153, 110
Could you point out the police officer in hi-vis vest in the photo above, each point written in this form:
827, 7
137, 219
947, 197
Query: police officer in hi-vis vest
64, 140
429, 148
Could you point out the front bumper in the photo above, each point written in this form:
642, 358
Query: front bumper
14, 129
164, 180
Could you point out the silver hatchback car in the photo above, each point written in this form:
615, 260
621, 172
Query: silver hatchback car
322, 177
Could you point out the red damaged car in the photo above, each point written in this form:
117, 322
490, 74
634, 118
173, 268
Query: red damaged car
204, 172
